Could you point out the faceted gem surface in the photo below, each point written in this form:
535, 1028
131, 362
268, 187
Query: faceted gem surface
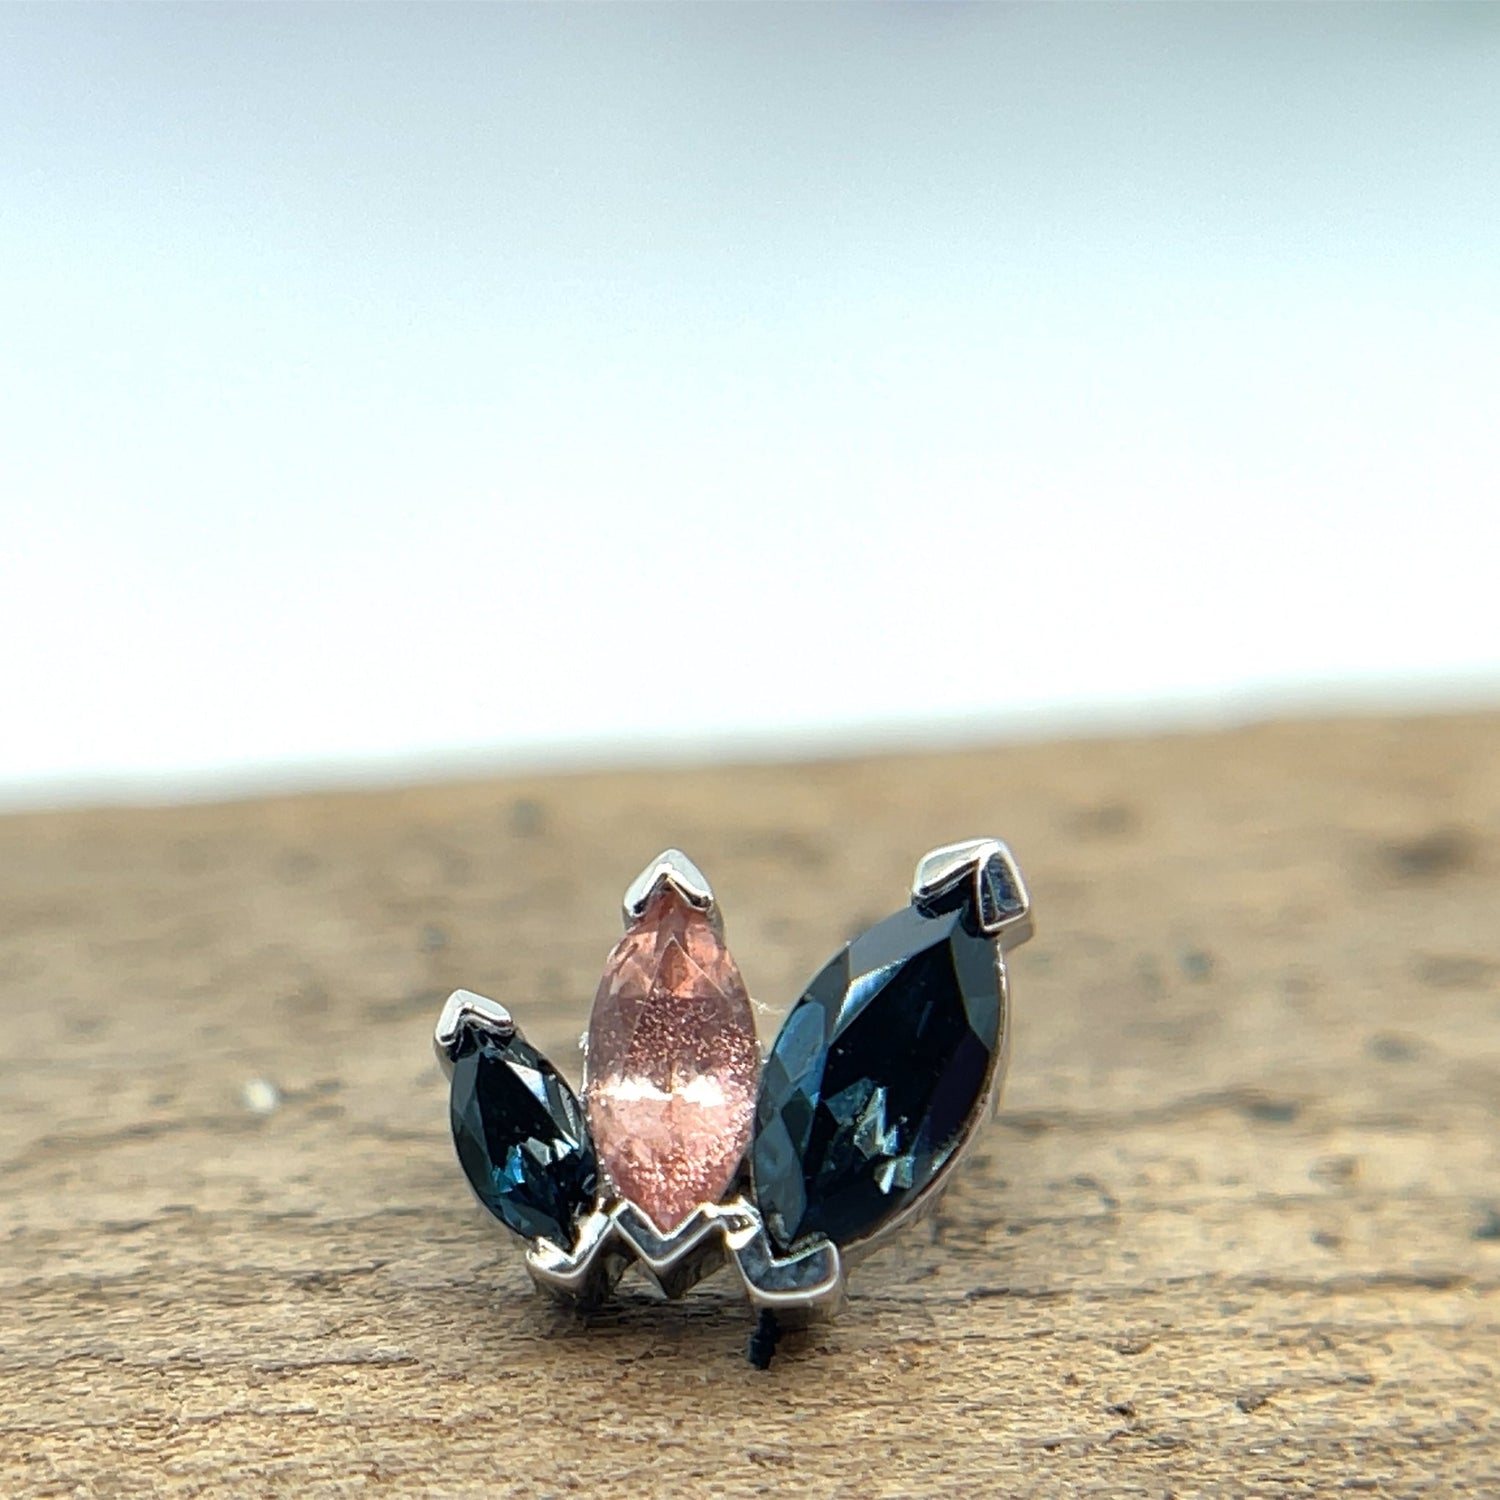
521, 1138
875, 1077
672, 1063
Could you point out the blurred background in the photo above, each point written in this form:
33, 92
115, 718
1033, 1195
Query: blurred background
393, 390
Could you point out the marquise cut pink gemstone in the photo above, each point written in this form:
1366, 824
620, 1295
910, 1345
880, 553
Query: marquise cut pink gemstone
672, 1063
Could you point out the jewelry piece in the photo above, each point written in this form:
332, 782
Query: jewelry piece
685, 1151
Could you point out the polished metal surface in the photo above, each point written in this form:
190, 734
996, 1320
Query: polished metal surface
941, 871
464, 1009
672, 867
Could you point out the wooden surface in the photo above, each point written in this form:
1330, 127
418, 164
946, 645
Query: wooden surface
1237, 1231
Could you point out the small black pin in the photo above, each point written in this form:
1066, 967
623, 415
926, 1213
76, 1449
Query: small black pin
764, 1340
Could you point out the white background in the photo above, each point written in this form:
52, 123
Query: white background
385, 389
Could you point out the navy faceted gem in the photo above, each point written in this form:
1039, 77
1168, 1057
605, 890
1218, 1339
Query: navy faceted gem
875, 1077
521, 1137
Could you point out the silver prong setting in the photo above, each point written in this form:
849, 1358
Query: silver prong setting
671, 868
587, 1272
673, 1263
462, 1010
973, 862
808, 1284
620, 1236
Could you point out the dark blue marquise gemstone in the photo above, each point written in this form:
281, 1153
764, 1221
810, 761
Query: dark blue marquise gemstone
875, 1077
521, 1137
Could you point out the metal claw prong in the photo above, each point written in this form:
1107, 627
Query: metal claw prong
988, 868
586, 1273
672, 867
806, 1285
464, 1009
